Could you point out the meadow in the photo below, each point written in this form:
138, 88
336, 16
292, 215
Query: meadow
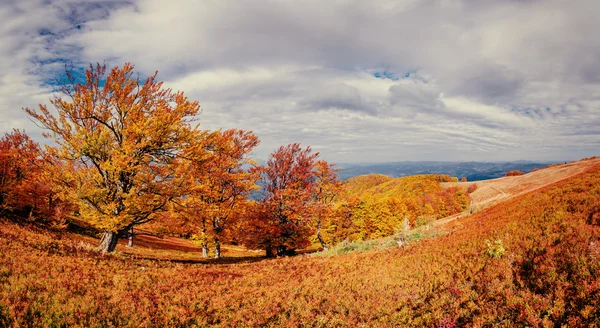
533, 260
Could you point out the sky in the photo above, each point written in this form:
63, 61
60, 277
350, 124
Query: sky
358, 81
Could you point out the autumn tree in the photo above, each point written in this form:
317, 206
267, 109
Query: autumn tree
281, 220
117, 137
217, 184
327, 187
23, 189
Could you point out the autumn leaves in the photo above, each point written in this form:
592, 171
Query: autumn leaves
130, 153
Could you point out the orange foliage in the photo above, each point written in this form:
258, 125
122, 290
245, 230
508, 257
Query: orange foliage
531, 261
25, 191
513, 173
379, 208
117, 137
216, 186
280, 221
472, 188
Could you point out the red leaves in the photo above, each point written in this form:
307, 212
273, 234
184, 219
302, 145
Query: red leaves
513, 173
548, 276
296, 187
471, 188
24, 191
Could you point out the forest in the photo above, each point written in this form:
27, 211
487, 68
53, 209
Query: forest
133, 215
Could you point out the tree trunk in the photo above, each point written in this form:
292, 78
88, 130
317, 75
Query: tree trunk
284, 251
204, 244
130, 237
217, 248
204, 249
108, 243
319, 236
269, 251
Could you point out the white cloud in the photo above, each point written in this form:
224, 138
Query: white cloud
466, 80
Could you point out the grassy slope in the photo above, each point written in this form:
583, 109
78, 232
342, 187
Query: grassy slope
542, 266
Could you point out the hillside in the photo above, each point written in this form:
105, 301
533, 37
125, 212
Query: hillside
532, 260
496, 190
378, 205
473, 171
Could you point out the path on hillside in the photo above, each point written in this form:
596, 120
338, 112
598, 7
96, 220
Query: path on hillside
491, 192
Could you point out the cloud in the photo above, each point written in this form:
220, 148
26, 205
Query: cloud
464, 79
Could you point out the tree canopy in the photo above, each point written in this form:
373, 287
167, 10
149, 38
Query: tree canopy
117, 138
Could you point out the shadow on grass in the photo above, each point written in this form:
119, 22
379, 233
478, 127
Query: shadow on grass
222, 260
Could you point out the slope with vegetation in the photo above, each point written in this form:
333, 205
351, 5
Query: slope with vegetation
128, 153
377, 206
531, 261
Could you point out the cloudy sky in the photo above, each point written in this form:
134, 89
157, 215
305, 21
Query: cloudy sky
359, 81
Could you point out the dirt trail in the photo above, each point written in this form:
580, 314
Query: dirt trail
490, 192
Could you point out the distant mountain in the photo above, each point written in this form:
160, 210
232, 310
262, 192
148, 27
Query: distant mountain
473, 171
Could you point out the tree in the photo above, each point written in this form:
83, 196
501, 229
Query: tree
23, 191
327, 187
117, 138
217, 183
281, 220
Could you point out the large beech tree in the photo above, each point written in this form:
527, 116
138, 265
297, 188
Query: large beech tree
217, 185
117, 138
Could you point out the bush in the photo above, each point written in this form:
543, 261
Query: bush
495, 249
472, 188
513, 173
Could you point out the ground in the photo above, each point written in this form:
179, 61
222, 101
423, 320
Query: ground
532, 259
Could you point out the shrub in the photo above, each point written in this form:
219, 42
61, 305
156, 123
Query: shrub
472, 188
495, 249
513, 173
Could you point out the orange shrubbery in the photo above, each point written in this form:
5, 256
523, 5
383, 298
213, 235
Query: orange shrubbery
375, 206
472, 188
513, 173
531, 261
25, 191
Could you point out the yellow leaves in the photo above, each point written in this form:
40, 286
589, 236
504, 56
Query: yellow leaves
384, 202
119, 137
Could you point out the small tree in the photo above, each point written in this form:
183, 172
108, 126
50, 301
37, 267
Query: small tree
23, 189
327, 188
217, 184
117, 138
281, 220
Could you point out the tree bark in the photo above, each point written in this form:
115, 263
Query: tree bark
108, 243
204, 244
269, 251
217, 248
204, 249
130, 237
319, 236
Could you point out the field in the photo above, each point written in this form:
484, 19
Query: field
533, 260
